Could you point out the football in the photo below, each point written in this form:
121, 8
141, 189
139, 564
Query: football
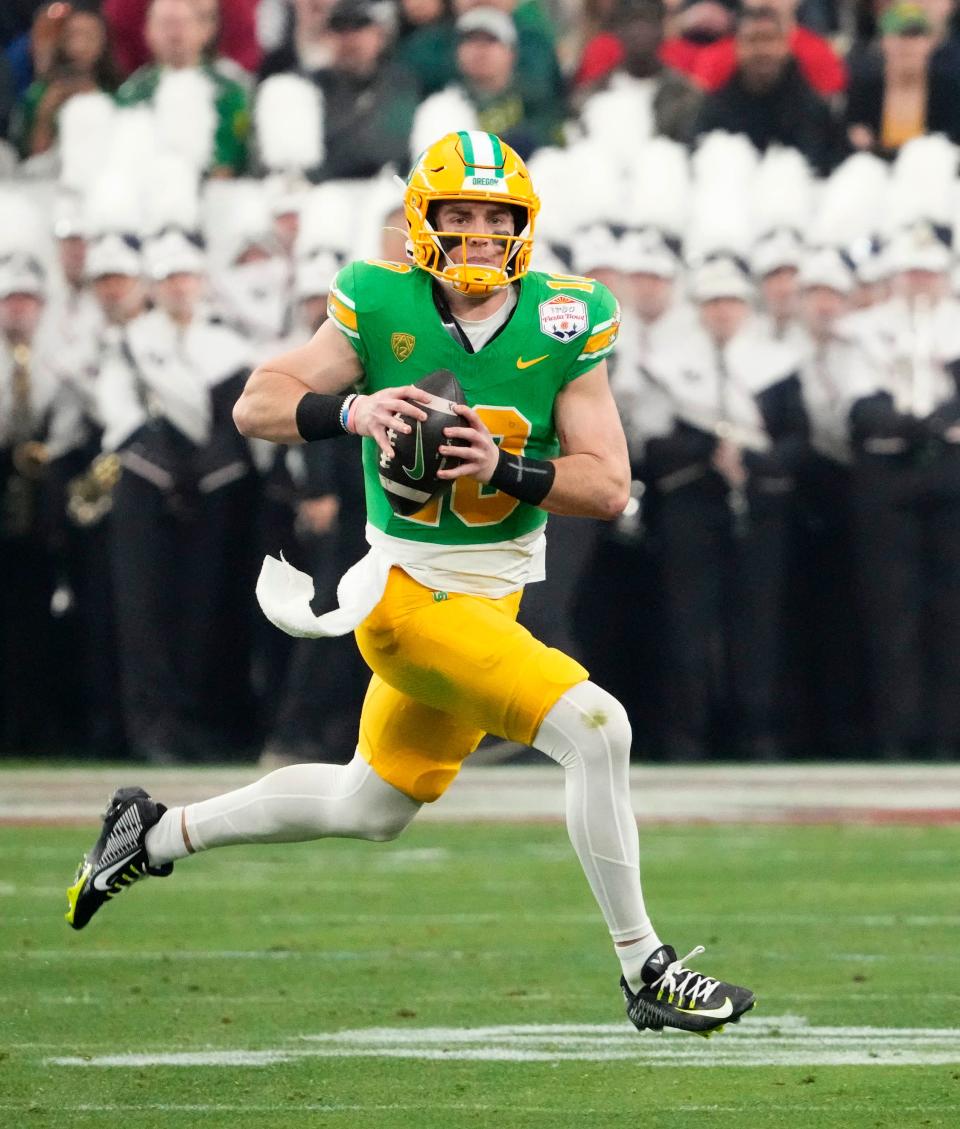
409, 478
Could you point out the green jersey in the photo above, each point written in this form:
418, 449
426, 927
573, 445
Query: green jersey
561, 327
230, 102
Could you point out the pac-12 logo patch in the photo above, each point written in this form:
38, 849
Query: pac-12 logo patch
563, 318
402, 345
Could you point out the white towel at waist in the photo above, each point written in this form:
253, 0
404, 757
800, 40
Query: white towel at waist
284, 593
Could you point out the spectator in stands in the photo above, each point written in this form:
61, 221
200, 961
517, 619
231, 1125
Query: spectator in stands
538, 69
237, 38
697, 27
767, 98
674, 101
903, 95
721, 476
27, 642
309, 46
689, 28
176, 36
865, 57
423, 42
30, 52
904, 427
488, 82
824, 628
817, 61
181, 700
599, 50
81, 63
369, 100
488, 65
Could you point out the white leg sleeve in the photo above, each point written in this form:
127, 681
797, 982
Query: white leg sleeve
303, 801
588, 733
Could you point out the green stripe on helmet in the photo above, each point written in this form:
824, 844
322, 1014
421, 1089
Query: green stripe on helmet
497, 153
466, 144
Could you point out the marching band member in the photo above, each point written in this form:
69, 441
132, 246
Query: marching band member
722, 478
905, 426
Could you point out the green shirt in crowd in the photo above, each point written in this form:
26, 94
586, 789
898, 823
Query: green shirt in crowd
230, 103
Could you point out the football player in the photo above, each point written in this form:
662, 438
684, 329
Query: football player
541, 435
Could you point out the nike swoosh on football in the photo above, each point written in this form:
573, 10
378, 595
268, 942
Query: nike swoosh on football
723, 1012
106, 875
416, 471
521, 363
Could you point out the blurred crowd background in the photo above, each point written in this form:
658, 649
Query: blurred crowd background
770, 188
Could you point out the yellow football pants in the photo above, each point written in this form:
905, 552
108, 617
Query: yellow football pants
448, 668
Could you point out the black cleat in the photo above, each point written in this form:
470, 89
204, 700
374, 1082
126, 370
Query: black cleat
118, 858
675, 996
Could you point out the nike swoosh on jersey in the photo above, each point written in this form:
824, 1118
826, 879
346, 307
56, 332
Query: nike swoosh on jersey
521, 363
101, 880
416, 471
723, 1012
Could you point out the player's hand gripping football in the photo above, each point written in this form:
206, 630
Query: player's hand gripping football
476, 450
376, 414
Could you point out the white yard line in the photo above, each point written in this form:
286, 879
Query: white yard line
54, 1000
177, 956
774, 1041
312, 1107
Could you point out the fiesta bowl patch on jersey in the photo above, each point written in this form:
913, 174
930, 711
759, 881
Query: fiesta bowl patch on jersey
563, 318
409, 478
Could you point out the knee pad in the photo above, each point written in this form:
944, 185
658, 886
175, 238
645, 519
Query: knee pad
586, 724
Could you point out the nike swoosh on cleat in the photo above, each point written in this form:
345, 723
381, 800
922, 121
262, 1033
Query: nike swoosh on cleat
105, 875
723, 1012
521, 363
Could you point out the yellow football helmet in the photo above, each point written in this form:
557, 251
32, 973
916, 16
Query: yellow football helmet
470, 166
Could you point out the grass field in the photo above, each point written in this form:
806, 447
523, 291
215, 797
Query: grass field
461, 977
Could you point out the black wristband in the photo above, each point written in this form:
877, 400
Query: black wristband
318, 416
530, 480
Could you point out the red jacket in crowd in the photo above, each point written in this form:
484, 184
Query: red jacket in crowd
238, 33
712, 66
819, 64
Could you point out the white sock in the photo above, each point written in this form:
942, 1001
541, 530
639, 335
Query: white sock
634, 956
588, 733
293, 804
164, 841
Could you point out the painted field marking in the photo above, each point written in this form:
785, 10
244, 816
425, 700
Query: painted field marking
785, 1040
185, 956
